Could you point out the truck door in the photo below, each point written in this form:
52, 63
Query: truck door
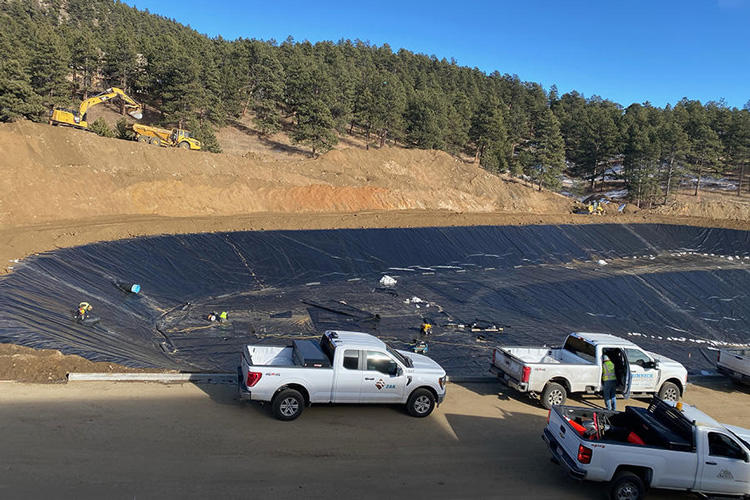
622, 369
725, 467
348, 377
643, 371
383, 379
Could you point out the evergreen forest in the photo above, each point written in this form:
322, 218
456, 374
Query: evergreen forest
58, 52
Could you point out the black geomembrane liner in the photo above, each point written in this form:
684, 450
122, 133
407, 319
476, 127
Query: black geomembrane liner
534, 283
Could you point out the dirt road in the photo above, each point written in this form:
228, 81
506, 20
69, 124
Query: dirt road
134, 441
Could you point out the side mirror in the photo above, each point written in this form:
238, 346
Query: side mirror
399, 371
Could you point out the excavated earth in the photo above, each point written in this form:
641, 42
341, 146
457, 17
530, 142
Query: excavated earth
63, 188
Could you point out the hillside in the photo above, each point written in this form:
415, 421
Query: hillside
57, 173
307, 97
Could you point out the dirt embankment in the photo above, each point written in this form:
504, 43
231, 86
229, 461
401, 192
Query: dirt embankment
54, 173
24, 364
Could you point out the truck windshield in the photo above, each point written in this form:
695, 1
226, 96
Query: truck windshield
580, 348
747, 445
403, 359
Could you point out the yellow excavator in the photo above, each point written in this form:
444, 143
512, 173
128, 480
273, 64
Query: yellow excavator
73, 118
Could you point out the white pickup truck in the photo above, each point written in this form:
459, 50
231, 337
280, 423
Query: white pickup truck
553, 373
343, 367
662, 446
735, 363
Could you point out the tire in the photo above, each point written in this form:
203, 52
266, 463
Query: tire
626, 486
288, 405
420, 403
155, 141
185, 145
553, 394
669, 392
143, 138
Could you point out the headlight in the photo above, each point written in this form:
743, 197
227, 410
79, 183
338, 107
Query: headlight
442, 380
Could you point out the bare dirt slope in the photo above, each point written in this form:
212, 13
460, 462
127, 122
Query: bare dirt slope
54, 173
24, 364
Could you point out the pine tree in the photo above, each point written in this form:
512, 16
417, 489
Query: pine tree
49, 67
459, 116
267, 92
315, 126
203, 131
17, 98
121, 66
84, 61
598, 141
488, 133
739, 144
425, 120
705, 146
641, 154
181, 92
549, 151
674, 146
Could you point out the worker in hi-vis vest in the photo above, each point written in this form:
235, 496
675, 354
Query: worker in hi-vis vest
609, 383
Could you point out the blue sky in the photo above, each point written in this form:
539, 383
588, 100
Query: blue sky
627, 51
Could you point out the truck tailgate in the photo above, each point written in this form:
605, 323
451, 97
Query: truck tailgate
566, 438
509, 364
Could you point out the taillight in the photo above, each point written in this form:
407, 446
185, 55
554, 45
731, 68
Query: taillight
494, 357
525, 374
584, 454
548, 415
718, 356
253, 377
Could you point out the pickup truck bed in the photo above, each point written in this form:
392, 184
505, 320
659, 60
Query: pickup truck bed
544, 355
302, 353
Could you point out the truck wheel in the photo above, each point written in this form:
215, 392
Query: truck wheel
421, 403
553, 394
669, 392
156, 141
626, 486
288, 404
185, 145
142, 138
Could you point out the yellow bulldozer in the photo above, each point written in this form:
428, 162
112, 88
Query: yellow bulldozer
77, 118
176, 137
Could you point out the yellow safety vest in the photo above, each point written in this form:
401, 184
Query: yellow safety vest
608, 371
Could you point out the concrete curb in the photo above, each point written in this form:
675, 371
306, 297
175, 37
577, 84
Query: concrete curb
472, 380
209, 378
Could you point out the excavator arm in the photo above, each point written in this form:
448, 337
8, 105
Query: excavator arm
135, 109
